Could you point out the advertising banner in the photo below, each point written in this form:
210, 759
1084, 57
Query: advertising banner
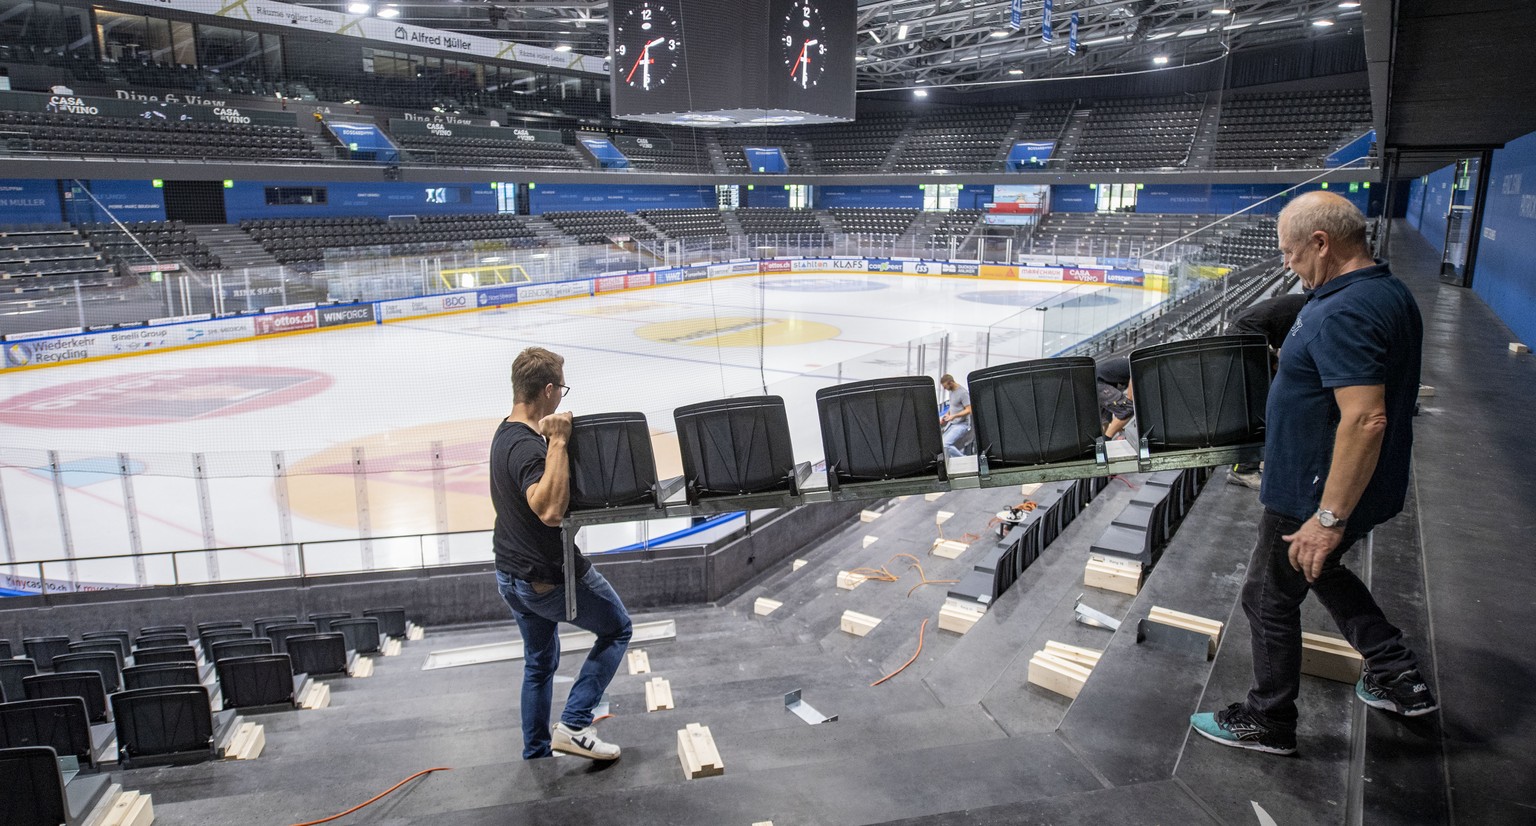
426, 305
673, 276
1040, 273
346, 314
961, 269
775, 266
608, 284
496, 296
1130, 278
883, 265
995, 271
64, 349
271, 323
561, 289
811, 264
1083, 276
744, 267
646, 279
716, 270
695, 273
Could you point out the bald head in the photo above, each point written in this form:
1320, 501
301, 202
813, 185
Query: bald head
1322, 236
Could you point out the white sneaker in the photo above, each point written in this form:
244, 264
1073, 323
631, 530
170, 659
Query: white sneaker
582, 743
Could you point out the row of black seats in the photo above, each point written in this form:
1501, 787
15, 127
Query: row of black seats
1146, 523
1034, 524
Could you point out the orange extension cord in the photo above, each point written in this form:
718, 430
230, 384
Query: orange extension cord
920, 631
375, 799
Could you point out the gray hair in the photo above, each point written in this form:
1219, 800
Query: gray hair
1328, 213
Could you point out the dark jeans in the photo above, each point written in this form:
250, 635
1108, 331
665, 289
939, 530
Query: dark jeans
1272, 597
599, 610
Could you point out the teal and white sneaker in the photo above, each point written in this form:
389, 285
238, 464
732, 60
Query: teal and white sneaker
1406, 694
1234, 726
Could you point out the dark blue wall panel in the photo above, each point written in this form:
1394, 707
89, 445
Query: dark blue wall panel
1225, 199
120, 200
29, 201
1074, 198
1435, 205
765, 195
890, 197
248, 199
628, 197
1503, 275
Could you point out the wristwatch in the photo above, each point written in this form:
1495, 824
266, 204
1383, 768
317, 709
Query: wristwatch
1328, 519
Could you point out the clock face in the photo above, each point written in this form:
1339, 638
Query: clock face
803, 43
646, 42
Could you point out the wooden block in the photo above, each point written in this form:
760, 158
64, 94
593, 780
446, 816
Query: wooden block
797, 565
1329, 656
247, 743
858, 624
948, 548
1189, 622
1029, 489
1109, 577
1517, 347
868, 516
318, 696
958, 619
1426, 392
765, 606
1085, 657
658, 694
763, 823
870, 540
848, 581
943, 516
932, 497
1054, 674
639, 662
390, 648
414, 631
363, 667
129, 809
696, 751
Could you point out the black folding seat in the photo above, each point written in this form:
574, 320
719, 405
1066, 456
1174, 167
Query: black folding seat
104, 663
361, 635
323, 619
5, 649
168, 654
881, 429
160, 641
154, 630
160, 674
61, 723
86, 685
34, 787
391, 620
263, 623
42, 650
1206, 392
315, 654
167, 724
279, 634
259, 681
611, 461
86, 646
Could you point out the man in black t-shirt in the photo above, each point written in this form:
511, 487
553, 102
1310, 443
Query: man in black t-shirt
1113, 378
530, 489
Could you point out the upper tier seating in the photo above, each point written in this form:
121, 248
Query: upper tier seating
800, 223
876, 222
860, 146
1142, 134
163, 240
47, 257
88, 135
303, 242
475, 151
672, 148
798, 153
599, 226
962, 139
1288, 130
687, 223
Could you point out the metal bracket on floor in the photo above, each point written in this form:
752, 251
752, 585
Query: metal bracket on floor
1173, 638
1092, 616
803, 710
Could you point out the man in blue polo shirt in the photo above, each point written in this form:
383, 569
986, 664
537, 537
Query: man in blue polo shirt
1349, 369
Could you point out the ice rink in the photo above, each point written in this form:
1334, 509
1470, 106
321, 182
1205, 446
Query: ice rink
382, 430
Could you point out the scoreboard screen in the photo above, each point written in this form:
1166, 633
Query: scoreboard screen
733, 62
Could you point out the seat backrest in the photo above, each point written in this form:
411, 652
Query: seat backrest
165, 654
240, 648
42, 650
736, 446
612, 463
322, 621
212, 638
262, 680
104, 663
161, 641
362, 635
112, 646
880, 429
58, 722
34, 787
86, 685
124, 639
162, 721
261, 624
318, 653
279, 634
218, 625
11, 672
5, 649
158, 675
149, 630
1035, 412
1205, 392
391, 620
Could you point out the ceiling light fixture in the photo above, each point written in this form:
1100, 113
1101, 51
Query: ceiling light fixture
1000, 33
1161, 60
1221, 11
1349, 5
389, 12
1015, 71
919, 93
358, 8
901, 32
563, 47
1322, 24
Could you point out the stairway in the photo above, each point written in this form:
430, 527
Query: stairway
1066, 145
548, 234
1014, 132
1203, 144
234, 248
728, 217
828, 222
898, 146
716, 155
917, 234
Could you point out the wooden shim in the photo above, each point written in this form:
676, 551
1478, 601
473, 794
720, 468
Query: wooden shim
1085, 657
797, 565
390, 648
363, 667
415, 632
870, 540
943, 516
765, 606
763, 823
658, 694
1057, 675
130, 809
958, 619
248, 742
858, 624
868, 516
1330, 657
1517, 347
639, 662
318, 696
848, 581
1111, 578
948, 548
696, 751
1130, 565
932, 497
1426, 392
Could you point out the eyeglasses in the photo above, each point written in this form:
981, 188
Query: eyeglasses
564, 391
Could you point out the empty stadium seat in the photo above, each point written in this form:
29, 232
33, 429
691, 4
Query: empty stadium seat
169, 724
391, 620
316, 654
159, 675
261, 681
42, 650
60, 723
86, 685
361, 635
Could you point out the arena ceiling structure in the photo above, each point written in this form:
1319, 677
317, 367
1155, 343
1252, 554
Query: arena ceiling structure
957, 44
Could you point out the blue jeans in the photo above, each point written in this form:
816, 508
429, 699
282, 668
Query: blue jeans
1272, 597
954, 432
599, 610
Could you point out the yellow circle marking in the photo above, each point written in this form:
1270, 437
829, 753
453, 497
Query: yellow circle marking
737, 331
